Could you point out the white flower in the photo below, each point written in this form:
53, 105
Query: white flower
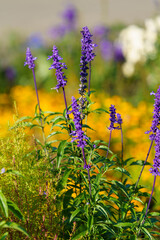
128, 69
132, 40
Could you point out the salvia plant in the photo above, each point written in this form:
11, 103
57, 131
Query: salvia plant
91, 194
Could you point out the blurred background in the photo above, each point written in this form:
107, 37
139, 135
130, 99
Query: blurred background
124, 72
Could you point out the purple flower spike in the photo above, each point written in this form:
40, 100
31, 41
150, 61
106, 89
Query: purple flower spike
70, 17
112, 110
29, 59
156, 115
119, 119
78, 134
156, 161
59, 68
87, 45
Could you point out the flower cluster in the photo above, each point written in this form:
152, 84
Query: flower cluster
156, 115
137, 43
87, 44
87, 47
29, 59
156, 161
114, 118
78, 134
59, 68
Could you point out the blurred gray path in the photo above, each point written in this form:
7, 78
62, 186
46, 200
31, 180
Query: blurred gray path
28, 16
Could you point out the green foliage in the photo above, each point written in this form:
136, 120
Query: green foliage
45, 179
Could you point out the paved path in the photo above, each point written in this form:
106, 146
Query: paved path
30, 16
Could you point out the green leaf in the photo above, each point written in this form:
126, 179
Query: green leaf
146, 232
105, 226
122, 187
3, 204
52, 134
64, 179
2, 223
122, 170
154, 232
124, 224
56, 120
79, 235
90, 222
87, 126
4, 236
138, 199
99, 110
102, 210
23, 118
36, 125
15, 226
140, 163
154, 214
14, 209
60, 152
74, 214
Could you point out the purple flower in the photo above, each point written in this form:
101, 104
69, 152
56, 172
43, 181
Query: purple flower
2, 171
106, 48
87, 45
70, 17
10, 73
119, 119
87, 166
87, 56
112, 119
100, 31
156, 161
118, 53
78, 134
57, 32
29, 59
35, 41
156, 116
59, 68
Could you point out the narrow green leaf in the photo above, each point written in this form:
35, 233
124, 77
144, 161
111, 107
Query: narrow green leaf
56, 120
14, 209
23, 118
140, 163
122, 170
124, 224
146, 232
90, 222
4, 236
102, 210
64, 179
74, 214
105, 226
3, 204
52, 134
36, 125
60, 152
103, 147
87, 126
15, 226
99, 110
154, 214
2, 223
122, 187
79, 235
